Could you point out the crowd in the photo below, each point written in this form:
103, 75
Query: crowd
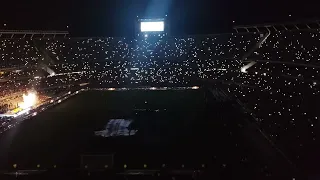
149, 60
281, 91
17, 53
300, 47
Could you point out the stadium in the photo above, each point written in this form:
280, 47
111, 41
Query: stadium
159, 105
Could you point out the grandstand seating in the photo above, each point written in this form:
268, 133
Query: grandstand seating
299, 47
17, 52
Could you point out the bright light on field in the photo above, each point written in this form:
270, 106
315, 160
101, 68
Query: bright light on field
29, 100
195, 87
244, 69
152, 26
111, 89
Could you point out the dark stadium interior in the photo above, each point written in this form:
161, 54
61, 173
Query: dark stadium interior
202, 130
159, 89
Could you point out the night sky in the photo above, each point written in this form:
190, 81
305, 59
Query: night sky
118, 17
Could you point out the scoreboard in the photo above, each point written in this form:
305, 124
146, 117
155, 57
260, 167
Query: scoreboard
152, 25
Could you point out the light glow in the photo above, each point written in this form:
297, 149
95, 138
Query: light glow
29, 100
244, 70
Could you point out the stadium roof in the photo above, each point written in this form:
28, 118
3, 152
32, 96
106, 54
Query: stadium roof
294, 25
32, 33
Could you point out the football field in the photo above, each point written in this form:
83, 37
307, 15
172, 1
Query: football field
178, 128
160, 122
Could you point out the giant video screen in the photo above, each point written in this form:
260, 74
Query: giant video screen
156, 26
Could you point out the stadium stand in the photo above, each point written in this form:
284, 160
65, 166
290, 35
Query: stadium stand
299, 47
281, 91
285, 95
17, 52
